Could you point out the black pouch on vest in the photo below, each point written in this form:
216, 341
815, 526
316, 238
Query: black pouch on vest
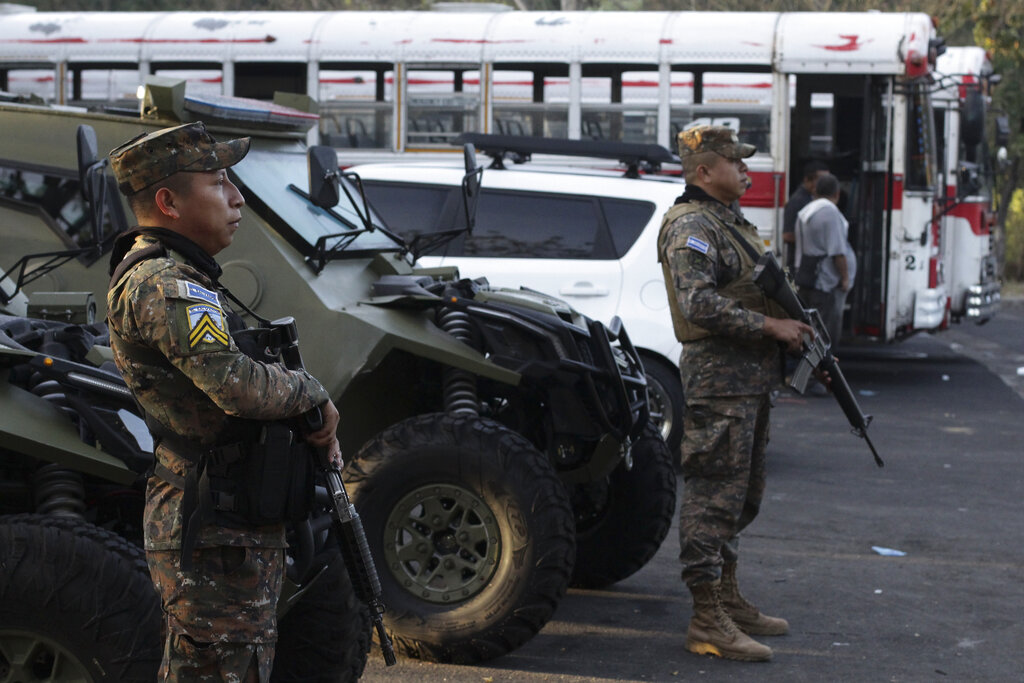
276, 480
807, 274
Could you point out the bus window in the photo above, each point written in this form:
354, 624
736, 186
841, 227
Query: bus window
103, 84
200, 79
752, 124
260, 80
439, 106
531, 101
39, 82
617, 106
920, 171
356, 106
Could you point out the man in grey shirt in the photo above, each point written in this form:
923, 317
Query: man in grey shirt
822, 245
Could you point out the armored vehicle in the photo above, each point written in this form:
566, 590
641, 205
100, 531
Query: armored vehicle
498, 442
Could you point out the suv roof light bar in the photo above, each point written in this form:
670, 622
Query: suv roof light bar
521, 147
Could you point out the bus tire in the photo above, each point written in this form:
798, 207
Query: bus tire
472, 531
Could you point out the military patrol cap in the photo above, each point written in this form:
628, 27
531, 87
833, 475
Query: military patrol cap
151, 157
718, 139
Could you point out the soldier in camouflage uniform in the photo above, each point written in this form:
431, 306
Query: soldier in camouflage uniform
203, 396
731, 361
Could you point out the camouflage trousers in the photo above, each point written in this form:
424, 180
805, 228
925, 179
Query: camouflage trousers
724, 445
221, 616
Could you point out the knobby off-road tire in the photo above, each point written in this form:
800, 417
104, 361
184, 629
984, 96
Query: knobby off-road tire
665, 394
325, 637
472, 533
622, 521
76, 604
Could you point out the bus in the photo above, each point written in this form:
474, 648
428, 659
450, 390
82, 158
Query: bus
968, 169
855, 90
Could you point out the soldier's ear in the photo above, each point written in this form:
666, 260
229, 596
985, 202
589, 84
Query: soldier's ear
166, 202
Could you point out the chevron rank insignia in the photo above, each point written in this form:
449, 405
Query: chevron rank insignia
206, 325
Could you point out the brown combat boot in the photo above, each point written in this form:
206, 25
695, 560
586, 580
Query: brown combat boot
712, 631
745, 615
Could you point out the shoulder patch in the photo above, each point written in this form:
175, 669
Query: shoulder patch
206, 325
696, 244
190, 290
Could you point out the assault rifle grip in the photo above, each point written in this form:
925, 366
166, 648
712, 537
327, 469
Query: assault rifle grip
817, 355
355, 549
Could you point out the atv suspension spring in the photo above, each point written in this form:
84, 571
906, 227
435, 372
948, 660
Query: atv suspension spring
459, 385
52, 391
59, 491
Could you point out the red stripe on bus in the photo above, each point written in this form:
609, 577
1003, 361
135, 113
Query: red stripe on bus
763, 194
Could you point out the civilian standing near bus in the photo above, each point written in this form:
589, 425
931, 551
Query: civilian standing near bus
798, 200
826, 264
218, 572
732, 337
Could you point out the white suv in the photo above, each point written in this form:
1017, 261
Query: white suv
588, 237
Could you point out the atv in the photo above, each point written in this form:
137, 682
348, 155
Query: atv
499, 443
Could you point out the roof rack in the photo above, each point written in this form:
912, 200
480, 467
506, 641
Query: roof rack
521, 147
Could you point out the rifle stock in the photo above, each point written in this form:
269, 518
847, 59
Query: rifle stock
355, 549
817, 351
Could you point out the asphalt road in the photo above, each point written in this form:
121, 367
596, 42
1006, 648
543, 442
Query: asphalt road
949, 416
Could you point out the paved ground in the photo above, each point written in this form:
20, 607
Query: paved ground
950, 497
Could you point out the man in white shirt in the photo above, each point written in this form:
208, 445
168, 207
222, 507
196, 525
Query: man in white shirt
826, 264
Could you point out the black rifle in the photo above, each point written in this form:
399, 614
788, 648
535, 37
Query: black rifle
355, 550
818, 351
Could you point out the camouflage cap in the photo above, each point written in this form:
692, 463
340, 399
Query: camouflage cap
717, 139
151, 157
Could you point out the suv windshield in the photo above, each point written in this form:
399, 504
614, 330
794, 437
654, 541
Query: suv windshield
267, 175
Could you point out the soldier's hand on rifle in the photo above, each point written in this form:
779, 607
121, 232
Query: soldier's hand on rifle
327, 435
788, 331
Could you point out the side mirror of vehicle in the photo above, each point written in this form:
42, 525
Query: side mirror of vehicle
972, 117
1002, 130
91, 183
470, 186
968, 179
323, 176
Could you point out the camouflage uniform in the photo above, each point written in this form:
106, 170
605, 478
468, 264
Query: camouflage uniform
728, 369
191, 378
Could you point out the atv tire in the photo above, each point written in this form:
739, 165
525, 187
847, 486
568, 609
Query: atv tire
325, 637
76, 603
472, 532
622, 521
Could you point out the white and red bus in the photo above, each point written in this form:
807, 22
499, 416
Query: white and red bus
852, 89
968, 173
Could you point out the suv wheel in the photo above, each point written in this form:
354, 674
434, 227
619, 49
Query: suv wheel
473, 533
630, 512
665, 396
76, 603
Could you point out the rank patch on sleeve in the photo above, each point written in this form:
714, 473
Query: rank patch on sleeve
697, 244
206, 325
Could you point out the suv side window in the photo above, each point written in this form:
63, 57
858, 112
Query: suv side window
528, 225
626, 220
409, 210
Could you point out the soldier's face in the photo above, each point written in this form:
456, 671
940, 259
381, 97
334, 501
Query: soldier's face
726, 179
210, 210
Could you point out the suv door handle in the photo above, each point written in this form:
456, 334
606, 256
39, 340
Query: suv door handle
583, 289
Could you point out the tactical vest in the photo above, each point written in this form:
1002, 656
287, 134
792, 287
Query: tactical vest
743, 288
258, 473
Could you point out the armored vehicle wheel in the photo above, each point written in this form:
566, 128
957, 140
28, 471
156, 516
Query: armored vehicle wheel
76, 604
325, 637
472, 532
665, 395
622, 520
